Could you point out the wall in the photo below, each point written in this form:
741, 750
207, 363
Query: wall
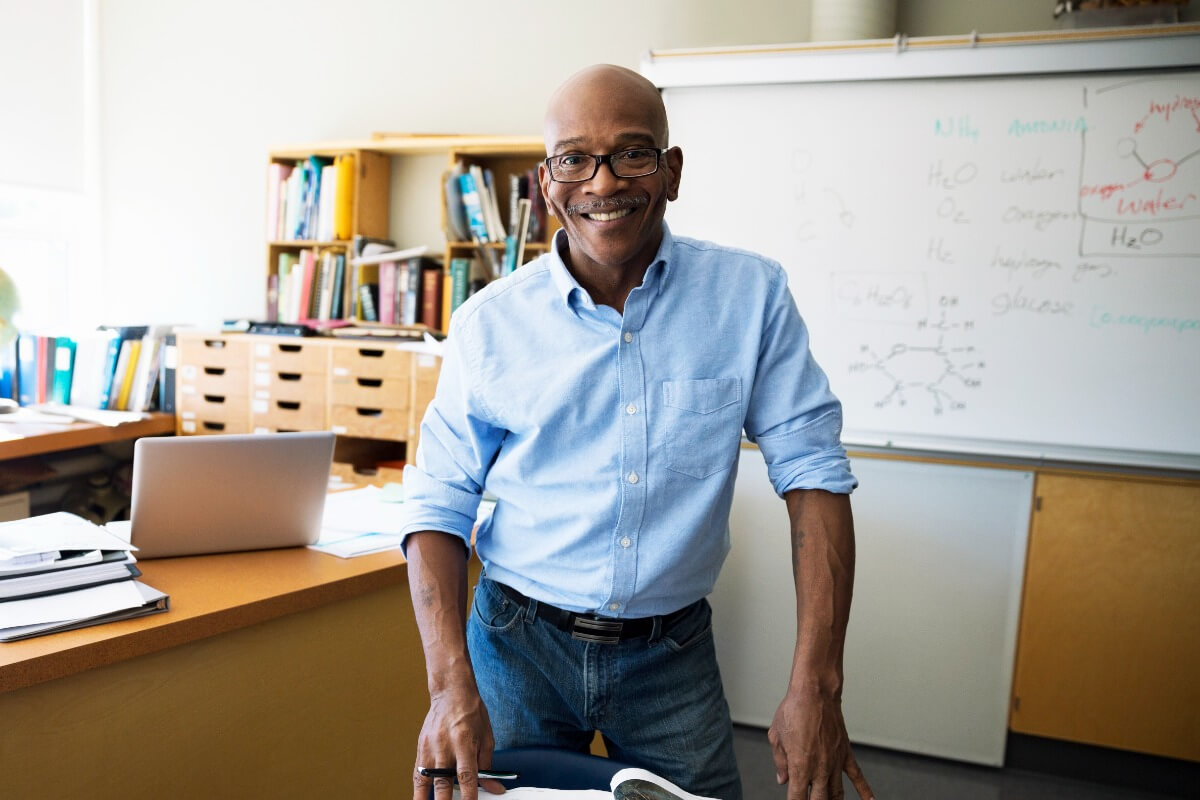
193, 95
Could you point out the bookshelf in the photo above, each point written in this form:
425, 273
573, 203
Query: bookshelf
372, 393
369, 199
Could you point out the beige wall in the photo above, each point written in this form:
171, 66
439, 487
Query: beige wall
193, 94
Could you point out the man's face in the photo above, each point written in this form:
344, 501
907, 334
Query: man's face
610, 222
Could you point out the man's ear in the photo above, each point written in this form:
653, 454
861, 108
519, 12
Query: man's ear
674, 164
544, 184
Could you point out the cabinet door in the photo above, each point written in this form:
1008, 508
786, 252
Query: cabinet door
933, 626
1109, 649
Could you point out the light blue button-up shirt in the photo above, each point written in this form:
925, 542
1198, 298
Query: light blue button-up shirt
611, 441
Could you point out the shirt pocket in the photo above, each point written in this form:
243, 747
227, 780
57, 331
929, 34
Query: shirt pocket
704, 422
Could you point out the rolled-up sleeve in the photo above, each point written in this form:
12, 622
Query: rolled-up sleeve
457, 446
793, 416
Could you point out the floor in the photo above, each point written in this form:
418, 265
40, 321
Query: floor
900, 776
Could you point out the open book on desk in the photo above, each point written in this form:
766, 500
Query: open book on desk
627, 784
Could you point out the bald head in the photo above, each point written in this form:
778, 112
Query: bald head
604, 91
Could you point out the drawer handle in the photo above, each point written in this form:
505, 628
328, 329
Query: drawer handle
214, 370
290, 348
372, 383
289, 376
216, 344
286, 430
214, 398
369, 412
288, 405
370, 353
214, 426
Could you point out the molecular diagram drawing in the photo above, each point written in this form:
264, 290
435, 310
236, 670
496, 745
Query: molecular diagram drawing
935, 368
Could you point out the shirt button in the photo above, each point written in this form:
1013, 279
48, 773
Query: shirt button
633, 477
628, 337
625, 541
613, 606
631, 409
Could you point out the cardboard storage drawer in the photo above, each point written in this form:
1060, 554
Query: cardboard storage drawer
283, 354
209, 413
289, 415
356, 390
212, 351
284, 385
370, 359
193, 379
370, 422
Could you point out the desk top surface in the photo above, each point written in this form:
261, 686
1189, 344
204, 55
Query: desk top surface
20, 439
209, 595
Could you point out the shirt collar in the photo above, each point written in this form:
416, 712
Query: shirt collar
565, 282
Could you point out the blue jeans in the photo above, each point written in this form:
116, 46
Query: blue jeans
657, 701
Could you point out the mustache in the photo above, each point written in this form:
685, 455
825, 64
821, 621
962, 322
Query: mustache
607, 204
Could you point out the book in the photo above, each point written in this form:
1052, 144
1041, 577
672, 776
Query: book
132, 599
126, 368
64, 370
27, 344
91, 361
45, 367
168, 366
277, 175
455, 215
343, 202
460, 280
8, 371
366, 301
325, 202
630, 783
431, 297
473, 208
387, 292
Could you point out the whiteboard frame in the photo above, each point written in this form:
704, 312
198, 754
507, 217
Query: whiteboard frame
972, 55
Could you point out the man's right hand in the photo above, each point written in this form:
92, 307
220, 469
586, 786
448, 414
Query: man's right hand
456, 734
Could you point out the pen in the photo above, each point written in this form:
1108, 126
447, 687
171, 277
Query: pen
451, 772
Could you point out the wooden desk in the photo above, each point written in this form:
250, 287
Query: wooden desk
285, 673
20, 439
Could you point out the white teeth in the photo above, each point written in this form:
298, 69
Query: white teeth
611, 215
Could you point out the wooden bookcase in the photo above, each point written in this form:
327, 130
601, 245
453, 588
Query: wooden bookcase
371, 393
503, 155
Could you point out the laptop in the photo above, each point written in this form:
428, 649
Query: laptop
218, 494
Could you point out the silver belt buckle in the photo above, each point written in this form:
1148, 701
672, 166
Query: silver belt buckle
601, 631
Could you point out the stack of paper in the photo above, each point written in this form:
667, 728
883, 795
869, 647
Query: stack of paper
59, 572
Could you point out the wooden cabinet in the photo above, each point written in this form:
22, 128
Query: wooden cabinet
1109, 645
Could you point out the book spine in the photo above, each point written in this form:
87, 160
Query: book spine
166, 374
431, 298
367, 303
27, 369
460, 278
387, 292
64, 366
473, 207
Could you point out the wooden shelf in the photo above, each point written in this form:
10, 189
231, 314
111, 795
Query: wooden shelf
20, 439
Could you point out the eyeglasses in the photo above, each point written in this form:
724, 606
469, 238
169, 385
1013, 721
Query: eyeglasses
579, 167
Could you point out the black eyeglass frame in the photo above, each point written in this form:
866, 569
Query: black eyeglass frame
598, 160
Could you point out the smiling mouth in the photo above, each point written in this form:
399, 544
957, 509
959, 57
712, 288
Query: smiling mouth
608, 216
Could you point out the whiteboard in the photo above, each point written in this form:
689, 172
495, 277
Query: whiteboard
997, 264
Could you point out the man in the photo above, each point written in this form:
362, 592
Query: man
600, 393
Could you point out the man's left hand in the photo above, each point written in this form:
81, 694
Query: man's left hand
811, 748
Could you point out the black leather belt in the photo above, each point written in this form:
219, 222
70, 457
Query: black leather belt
592, 627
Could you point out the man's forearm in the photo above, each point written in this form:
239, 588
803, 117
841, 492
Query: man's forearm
437, 575
823, 566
